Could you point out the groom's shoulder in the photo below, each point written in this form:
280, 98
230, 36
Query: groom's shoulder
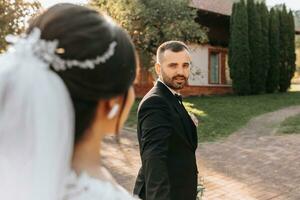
153, 97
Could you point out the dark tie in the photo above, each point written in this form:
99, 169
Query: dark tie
178, 97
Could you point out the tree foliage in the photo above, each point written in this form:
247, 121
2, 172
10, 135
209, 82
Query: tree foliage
239, 49
291, 47
257, 76
271, 39
264, 18
151, 23
13, 17
273, 72
297, 25
283, 50
297, 19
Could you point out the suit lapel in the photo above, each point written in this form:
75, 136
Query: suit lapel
188, 124
191, 127
185, 118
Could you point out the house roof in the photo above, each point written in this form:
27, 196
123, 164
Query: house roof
216, 6
223, 7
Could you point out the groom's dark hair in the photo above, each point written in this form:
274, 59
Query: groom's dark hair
84, 33
173, 45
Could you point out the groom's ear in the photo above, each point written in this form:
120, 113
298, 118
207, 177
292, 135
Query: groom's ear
157, 68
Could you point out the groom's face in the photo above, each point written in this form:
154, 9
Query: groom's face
174, 68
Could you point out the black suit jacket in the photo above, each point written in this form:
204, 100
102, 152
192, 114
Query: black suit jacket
168, 139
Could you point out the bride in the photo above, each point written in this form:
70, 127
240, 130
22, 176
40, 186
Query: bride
64, 85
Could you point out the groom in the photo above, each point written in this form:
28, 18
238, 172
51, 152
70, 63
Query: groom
166, 133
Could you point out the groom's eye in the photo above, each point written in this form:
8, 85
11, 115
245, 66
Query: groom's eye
186, 65
172, 65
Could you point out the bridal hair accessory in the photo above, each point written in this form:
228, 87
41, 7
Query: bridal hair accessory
45, 50
113, 112
36, 145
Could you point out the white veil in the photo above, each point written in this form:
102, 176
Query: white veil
36, 124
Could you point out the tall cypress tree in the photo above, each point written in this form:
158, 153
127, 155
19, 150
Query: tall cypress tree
284, 41
257, 72
273, 72
231, 41
264, 17
291, 48
239, 49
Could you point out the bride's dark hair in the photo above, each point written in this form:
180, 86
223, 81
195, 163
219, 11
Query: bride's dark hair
84, 33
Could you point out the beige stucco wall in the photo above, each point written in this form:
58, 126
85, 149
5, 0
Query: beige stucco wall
199, 70
298, 57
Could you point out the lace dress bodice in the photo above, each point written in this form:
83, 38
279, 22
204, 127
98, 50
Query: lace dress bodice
84, 187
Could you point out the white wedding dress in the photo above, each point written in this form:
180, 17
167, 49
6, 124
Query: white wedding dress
37, 130
85, 187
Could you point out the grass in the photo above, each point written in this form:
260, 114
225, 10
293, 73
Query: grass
290, 126
219, 116
132, 118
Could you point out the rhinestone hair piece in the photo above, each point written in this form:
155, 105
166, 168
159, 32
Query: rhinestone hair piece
45, 50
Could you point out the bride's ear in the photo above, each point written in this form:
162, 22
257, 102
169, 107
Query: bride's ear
113, 111
109, 108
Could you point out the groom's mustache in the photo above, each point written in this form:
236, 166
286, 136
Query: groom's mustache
179, 77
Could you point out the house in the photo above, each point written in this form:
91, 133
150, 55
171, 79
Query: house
210, 72
296, 78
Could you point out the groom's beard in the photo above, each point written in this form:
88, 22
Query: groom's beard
176, 82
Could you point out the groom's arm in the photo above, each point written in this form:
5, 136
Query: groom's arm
155, 132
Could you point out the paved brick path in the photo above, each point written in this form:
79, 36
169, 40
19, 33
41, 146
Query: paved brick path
251, 164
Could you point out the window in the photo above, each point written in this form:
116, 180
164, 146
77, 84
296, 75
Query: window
218, 70
227, 71
214, 68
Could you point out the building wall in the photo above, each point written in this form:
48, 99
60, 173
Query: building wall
296, 78
206, 90
198, 83
298, 58
199, 70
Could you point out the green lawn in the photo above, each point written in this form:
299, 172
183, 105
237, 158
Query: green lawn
290, 126
219, 116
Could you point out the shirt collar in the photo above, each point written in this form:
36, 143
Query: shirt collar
171, 90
